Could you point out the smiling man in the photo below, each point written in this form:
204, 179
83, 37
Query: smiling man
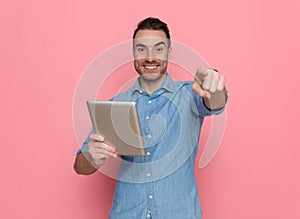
161, 184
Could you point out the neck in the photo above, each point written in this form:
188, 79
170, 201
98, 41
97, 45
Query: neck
151, 85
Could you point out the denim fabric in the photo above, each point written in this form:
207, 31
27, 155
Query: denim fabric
162, 184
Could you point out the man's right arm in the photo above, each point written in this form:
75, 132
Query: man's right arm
88, 162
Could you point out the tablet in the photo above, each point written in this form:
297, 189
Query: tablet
119, 124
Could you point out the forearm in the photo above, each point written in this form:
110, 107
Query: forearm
217, 100
82, 165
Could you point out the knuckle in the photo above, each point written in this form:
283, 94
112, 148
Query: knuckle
92, 136
90, 144
91, 152
205, 86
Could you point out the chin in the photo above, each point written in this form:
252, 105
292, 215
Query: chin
152, 76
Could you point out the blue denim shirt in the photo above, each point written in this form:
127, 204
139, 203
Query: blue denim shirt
162, 184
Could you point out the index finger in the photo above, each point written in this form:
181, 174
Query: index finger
96, 137
104, 146
222, 82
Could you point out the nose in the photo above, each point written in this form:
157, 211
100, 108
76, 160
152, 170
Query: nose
150, 56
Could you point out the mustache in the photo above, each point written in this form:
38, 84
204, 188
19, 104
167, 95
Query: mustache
150, 62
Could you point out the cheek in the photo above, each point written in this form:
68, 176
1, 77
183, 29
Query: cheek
136, 63
164, 63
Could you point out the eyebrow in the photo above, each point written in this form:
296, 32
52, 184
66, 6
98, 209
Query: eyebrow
160, 43
157, 44
139, 44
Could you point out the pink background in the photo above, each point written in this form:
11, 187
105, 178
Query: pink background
44, 47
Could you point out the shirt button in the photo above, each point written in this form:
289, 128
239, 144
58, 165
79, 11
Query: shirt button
148, 153
147, 117
150, 196
149, 101
140, 91
149, 136
148, 215
148, 174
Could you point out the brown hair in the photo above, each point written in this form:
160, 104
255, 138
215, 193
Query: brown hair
152, 23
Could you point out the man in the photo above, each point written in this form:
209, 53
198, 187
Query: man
161, 184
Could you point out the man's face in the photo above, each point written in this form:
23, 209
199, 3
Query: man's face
151, 52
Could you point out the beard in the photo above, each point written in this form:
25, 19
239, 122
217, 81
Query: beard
144, 67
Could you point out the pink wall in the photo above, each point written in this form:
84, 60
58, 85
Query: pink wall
44, 48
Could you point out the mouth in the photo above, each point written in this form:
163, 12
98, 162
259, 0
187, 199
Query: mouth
150, 68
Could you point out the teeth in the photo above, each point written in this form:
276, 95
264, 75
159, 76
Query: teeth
150, 67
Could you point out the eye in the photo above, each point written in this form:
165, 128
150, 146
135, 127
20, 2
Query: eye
159, 49
140, 49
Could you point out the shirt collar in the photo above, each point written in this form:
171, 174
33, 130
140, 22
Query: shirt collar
168, 85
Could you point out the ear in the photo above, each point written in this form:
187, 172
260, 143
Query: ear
170, 51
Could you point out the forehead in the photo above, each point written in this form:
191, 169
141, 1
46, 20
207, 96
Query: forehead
150, 33
150, 37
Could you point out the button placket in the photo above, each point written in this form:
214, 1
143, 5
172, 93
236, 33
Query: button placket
147, 131
148, 172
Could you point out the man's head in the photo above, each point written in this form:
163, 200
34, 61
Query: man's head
151, 48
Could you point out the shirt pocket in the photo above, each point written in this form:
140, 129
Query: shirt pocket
127, 158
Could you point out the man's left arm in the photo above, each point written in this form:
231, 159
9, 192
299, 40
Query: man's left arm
210, 85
